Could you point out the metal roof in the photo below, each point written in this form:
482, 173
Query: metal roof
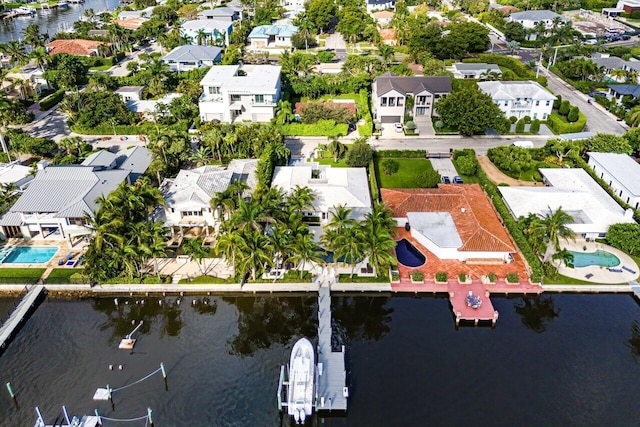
621, 167
100, 159
264, 31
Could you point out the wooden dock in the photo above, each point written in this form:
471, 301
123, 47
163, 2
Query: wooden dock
20, 315
331, 390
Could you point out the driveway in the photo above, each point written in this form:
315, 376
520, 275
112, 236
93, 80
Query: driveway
444, 167
598, 119
336, 42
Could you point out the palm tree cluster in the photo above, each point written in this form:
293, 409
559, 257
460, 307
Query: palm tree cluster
125, 237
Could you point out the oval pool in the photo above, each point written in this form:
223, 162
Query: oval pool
597, 258
408, 255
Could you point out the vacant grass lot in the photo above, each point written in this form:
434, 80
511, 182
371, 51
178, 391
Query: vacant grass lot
408, 170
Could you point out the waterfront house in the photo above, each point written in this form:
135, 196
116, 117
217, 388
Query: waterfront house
132, 24
240, 93
54, 204
452, 221
225, 13
75, 47
520, 98
130, 93
134, 14
14, 173
208, 32
271, 36
331, 187
188, 211
464, 70
592, 208
621, 172
189, 57
389, 94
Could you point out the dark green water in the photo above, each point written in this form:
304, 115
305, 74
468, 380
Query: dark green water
562, 360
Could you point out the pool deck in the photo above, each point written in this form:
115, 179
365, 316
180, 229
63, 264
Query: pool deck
61, 253
629, 270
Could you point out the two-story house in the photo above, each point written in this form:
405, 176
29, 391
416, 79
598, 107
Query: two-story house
188, 211
225, 13
240, 93
520, 98
531, 19
480, 71
271, 36
208, 32
390, 92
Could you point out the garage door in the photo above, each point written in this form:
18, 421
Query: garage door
390, 119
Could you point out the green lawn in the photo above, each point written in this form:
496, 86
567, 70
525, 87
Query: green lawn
65, 275
327, 159
344, 278
406, 175
564, 280
20, 275
100, 68
206, 280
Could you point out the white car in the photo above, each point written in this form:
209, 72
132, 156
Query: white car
398, 127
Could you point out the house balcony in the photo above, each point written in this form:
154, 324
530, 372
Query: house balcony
210, 98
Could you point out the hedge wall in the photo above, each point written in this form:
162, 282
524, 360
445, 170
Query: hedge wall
409, 154
51, 100
373, 182
364, 112
321, 128
559, 125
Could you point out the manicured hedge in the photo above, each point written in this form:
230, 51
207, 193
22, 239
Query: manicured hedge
364, 112
559, 125
51, 100
321, 128
409, 154
373, 182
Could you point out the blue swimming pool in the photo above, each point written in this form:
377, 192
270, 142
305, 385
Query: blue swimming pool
408, 255
597, 258
30, 255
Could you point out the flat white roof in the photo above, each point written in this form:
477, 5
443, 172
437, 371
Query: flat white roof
622, 167
14, 172
575, 192
437, 227
258, 78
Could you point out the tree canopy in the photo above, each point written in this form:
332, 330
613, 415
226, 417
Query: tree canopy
471, 111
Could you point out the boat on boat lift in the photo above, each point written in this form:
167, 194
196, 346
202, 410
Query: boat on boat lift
301, 380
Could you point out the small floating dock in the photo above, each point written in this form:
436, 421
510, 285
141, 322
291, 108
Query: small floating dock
128, 342
462, 311
20, 314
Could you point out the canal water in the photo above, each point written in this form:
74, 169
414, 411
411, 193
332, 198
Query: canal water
560, 360
51, 21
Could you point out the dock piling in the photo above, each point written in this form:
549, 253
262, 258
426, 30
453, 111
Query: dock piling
149, 415
11, 393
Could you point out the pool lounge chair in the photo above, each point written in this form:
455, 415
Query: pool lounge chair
615, 270
625, 268
61, 261
70, 255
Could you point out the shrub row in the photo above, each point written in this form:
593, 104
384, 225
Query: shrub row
364, 112
518, 68
559, 125
407, 154
51, 100
373, 182
509, 221
321, 128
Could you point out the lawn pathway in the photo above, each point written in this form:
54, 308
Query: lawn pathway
497, 176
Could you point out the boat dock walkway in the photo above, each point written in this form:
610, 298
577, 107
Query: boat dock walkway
331, 391
20, 314
635, 288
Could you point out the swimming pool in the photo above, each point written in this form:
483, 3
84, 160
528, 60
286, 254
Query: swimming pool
597, 258
408, 255
30, 255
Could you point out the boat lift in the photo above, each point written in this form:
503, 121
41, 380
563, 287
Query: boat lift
107, 393
128, 341
88, 420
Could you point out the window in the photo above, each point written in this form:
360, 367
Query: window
235, 98
214, 90
535, 115
506, 103
392, 102
383, 101
259, 99
544, 116
191, 213
537, 103
548, 103
422, 100
400, 102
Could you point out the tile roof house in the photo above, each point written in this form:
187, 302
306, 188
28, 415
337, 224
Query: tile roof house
74, 47
389, 93
215, 31
621, 172
188, 57
463, 70
130, 23
452, 221
189, 194
520, 98
331, 187
55, 202
592, 208
268, 36
383, 17
238, 93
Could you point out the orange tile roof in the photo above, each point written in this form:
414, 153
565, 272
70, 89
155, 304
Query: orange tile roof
73, 46
129, 23
475, 219
383, 14
387, 33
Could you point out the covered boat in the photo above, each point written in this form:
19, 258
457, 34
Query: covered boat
301, 380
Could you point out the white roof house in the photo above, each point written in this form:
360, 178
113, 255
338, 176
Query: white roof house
331, 187
463, 70
234, 92
188, 57
520, 98
148, 106
16, 174
57, 199
530, 18
189, 194
212, 28
573, 190
131, 14
621, 172
130, 93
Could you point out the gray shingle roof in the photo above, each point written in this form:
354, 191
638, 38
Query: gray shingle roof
535, 15
193, 53
633, 90
463, 66
389, 81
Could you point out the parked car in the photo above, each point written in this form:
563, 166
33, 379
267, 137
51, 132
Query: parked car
446, 180
398, 127
594, 94
590, 42
626, 37
457, 180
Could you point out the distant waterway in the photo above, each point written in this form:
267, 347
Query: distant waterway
51, 21
562, 360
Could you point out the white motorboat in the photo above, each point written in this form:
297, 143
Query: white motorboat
301, 380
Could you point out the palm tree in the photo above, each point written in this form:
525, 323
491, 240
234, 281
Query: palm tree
157, 71
633, 118
5, 105
194, 249
348, 245
336, 149
284, 111
255, 251
201, 37
618, 74
301, 199
631, 77
513, 47
551, 228
305, 250
340, 218
565, 256
387, 53
201, 156
16, 51
40, 57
